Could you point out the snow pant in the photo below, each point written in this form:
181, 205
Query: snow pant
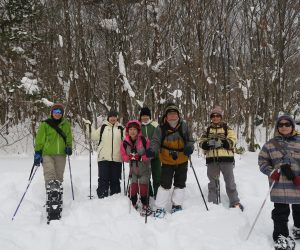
168, 173
213, 173
109, 175
156, 172
280, 215
139, 181
54, 167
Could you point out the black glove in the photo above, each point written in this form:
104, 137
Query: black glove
205, 145
150, 153
225, 144
187, 150
68, 150
287, 171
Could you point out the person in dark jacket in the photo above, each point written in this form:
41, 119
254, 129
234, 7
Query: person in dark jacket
279, 159
148, 127
174, 142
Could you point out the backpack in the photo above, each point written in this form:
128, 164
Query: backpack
144, 142
224, 126
102, 130
164, 129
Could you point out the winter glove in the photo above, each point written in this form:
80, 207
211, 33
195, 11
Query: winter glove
297, 181
187, 150
275, 175
287, 171
225, 144
204, 145
86, 122
38, 159
150, 153
134, 157
68, 150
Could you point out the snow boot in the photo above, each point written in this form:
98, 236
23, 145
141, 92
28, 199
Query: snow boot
54, 202
146, 210
176, 208
296, 233
159, 213
238, 205
284, 243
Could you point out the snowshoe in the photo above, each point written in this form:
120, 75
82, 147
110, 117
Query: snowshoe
296, 233
285, 243
176, 208
54, 202
146, 210
159, 213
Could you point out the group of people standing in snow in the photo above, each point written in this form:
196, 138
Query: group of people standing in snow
163, 152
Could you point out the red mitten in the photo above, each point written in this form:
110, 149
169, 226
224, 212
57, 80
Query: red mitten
297, 181
275, 175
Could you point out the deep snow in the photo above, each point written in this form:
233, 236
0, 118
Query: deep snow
107, 223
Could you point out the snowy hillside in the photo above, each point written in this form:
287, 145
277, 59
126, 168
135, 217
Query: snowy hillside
107, 224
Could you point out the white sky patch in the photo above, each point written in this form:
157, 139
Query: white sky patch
109, 24
61, 41
138, 62
30, 85
122, 70
209, 80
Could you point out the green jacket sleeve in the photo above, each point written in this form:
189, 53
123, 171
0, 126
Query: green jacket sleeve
40, 138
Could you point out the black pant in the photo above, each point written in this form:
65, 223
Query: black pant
280, 215
109, 173
179, 172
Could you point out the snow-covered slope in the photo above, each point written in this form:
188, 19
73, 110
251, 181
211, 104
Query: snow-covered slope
107, 223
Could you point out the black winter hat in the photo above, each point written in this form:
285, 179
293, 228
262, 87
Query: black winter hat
171, 107
145, 111
112, 113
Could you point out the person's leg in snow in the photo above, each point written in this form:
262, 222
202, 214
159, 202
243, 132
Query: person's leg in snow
103, 179
296, 218
114, 177
179, 186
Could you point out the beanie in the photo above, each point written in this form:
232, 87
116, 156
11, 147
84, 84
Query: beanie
285, 117
58, 106
112, 113
171, 107
145, 111
133, 124
216, 110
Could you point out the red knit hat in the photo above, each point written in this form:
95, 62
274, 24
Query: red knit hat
216, 110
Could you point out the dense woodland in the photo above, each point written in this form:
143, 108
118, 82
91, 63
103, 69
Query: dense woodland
95, 55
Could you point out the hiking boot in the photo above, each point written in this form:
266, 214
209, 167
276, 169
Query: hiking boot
296, 233
146, 210
159, 213
284, 243
176, 208
238, 205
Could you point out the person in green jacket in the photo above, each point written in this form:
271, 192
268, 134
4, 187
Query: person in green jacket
51, 147
148, 127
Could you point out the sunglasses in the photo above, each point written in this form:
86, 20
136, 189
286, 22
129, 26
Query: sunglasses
215, 115
57, 111
284, 124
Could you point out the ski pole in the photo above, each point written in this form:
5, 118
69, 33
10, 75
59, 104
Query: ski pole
71, 177
259, 211
90, 159
148, 203
29, 181
124, 177
191, 165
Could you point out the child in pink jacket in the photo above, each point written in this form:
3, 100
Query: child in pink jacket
133, 151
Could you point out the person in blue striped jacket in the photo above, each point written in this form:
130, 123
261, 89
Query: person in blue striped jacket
279, 159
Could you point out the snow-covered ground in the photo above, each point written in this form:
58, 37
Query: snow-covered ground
107, 223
